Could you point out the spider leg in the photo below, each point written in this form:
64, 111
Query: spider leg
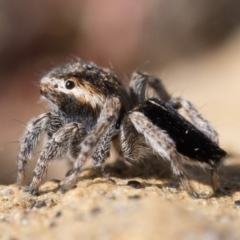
48, 122
108, 116
162, 144
196, 118
144, 86
204, 126
102, 149
64, 140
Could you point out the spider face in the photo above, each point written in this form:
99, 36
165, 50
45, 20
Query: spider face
90, 107
78, 91
78, 85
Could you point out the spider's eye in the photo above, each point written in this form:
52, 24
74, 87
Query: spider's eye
69, 84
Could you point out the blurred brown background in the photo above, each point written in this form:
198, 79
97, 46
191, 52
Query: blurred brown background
194, 46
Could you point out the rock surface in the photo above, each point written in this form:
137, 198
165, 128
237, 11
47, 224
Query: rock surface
141, 202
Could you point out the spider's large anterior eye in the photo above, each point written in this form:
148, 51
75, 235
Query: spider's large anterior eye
69, 84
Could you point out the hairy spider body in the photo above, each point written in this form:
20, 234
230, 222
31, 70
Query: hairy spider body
90, 107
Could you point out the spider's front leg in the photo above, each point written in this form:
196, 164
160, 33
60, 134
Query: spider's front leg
102, 149
65, 141
47, 122
108, 117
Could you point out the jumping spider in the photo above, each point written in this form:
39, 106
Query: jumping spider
90, 107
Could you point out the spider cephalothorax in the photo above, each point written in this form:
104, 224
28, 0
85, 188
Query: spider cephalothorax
89, 106
78, 91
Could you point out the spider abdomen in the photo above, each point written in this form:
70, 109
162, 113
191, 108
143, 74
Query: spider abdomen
189, 140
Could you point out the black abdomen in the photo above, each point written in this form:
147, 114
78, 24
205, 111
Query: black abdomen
189, 141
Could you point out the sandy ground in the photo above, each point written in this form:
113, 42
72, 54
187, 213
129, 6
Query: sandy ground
130, 204
154, 207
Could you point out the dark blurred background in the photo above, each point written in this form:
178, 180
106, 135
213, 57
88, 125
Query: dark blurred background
193, 45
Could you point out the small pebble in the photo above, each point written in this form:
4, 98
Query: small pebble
95, 211
173, 185
111, 180
58, 214
134, 197
134, 184
55, 180
237, 202
40, 204
52, 224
